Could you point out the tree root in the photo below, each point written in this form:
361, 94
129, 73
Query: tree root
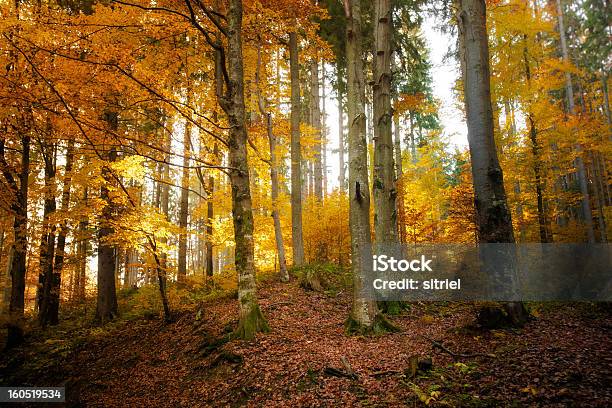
381, 325
251, 324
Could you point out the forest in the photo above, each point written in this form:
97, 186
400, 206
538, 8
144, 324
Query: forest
191, 192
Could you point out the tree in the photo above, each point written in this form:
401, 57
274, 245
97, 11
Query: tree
278, 232
493, 215
184, 205
385, 214
365, 316
296, 154
252, 319
106, 304
17, 180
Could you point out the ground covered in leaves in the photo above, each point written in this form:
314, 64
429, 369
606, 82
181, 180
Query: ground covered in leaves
561, 358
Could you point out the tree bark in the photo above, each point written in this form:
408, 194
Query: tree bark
278, 232
106, 306
184, 207
494, 220
296, 154
341, 178
63, 232
251, 319
46, 278
385, 214
19, 249
397, 147
493, 216
316, 124
364, 312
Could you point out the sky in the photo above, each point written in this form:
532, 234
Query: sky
444, 74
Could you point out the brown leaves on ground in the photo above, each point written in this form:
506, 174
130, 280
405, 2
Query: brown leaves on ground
561, 358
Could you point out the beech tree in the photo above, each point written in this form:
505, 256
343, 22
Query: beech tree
493, 215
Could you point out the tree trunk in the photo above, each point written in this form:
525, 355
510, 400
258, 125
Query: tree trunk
61, 238
580, 168
494, 221
296, 154
210, 213
493, 216
397, 147
46, 278
18, 252
385, 214
81, 281
341, 179
323, 129
106, 306
184, 207
364, 313
251, 319
278, 232
316, 124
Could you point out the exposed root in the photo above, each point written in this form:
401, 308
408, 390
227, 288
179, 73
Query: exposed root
251, 324
381, 325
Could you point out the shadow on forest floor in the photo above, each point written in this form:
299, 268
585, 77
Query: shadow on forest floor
561, 358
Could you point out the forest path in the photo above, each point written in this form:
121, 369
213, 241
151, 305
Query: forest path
561, 358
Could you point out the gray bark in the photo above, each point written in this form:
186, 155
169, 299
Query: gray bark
278, 232
341, 178
385, 214
494, 220
184, 207
364, 311
316, 124
251, 319
296, 154
397, 147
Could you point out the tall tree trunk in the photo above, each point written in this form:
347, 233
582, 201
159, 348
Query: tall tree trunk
210, 213
106, 306
399, 200
184, 207
509, 114
341, 179
397, 146
493, 216
579, 162
61, 238
316, 124
385, 214
323, 129
365, 316
296, 154
494, 221
19, 249
278, 232
83, 243
537, 166
251, 319
47, 242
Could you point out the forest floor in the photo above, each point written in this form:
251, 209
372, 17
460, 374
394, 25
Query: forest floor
563, 357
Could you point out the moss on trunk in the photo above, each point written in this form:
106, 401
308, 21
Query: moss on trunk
250, 324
